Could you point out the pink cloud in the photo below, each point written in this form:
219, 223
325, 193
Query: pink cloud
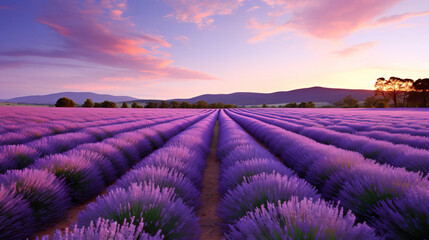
401, 17
201, 12
254, 8
328, 19
355, 49
183, 39
95, 31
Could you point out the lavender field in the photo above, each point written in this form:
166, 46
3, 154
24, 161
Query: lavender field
76, 173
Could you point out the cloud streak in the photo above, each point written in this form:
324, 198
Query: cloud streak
97, 32
201, 12
355, 49
328, 19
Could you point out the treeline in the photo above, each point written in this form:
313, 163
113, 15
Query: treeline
402, 92
293, 105
67, 102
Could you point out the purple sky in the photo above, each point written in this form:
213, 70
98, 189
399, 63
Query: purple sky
183, 48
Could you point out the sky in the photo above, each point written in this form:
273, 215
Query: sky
164, 49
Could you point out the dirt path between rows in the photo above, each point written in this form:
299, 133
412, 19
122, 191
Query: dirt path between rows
69, 219
209, 221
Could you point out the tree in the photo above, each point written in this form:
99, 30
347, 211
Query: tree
302, 105
229, 106
164, 104
373, 102
422, 86
124, 105
108, 104
65, 102
264, 105
291, 105
212, 105
185, 105
151, 105
201, 104
136, 105
174, 104
97, 105
311, 104
219, 105
88, 103
392, 89
408, 88
350, 102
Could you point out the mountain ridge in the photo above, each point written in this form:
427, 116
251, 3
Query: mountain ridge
315, 94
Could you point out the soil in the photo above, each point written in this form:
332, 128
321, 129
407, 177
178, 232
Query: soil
209, 221
69, 219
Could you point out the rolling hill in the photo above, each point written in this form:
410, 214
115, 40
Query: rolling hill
315, 94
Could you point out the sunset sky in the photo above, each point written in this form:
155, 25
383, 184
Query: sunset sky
183, 48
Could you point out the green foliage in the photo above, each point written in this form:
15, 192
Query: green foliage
136, 105
65, 102
185, 105
201, 104
88, 103
347, 102
108, 104
151, 105
311, 105
302, 105
264, 105
174, 104
164, 104
373, 102
124, 105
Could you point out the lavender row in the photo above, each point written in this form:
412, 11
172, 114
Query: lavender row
405, 122
33, 132
20, 156
161, 194
379, 194
47, 189
397, 155
404, 134
263, 199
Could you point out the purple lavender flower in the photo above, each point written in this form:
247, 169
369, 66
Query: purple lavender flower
82, 177
153, 136
113, 154
16, 216
48, 196
60, 143
16, 157
162, 177
143, 145
157, 208
105, 229
305, 219
105, 166
261, 189
362, 191
128, 149
237, 173
168, 160
405, 218
247, 152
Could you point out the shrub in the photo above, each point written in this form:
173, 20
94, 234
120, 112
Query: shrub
157, 208
16, 157
47, 195
162, 177
83, 178
259, 190
16, 216
105, 229
297, 219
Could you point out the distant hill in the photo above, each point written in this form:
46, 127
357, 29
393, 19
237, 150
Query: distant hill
78, 97
315, 94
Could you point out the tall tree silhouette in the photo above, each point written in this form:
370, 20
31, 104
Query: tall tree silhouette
393, 88
422, 86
